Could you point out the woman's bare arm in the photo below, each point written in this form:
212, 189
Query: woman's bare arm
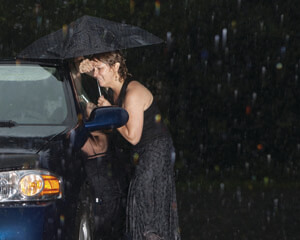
137, 99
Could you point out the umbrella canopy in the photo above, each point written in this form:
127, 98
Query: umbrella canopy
86, 36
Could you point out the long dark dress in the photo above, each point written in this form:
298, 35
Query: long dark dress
151, 204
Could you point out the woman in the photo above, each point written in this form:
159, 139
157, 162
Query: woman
151, 206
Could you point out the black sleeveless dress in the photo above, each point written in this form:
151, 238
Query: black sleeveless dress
151, 204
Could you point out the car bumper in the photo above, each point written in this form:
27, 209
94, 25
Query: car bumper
30, 222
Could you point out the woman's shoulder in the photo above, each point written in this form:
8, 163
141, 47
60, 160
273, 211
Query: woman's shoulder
137, 91
136, 86
135, 83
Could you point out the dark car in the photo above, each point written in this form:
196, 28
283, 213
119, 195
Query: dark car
60, 177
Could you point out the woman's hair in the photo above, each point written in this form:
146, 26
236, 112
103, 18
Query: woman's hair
111, 58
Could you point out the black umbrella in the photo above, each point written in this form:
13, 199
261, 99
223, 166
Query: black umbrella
86, 36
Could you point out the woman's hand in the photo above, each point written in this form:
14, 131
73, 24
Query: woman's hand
87, 66
89, 108
102, 102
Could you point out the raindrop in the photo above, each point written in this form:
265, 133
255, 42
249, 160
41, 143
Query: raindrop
254, 96
204, 54
248, 110
296, 79
217, 40
224, 37
169, 37
266, 180
283, 50
261, 24
239, 147
222, 187
171, 62
233, 24
287, 38
275, 204
169, 40
191, 209
173, 156
213, 17
47, 21
236, 93
37, 8
219, 87
239, 2
268, 216
157, 7
279, 66
228, 77
157, 118
226, 51
65, 30
62, 220
269, 158
263, 71
281, 18
219, 63
136, 158
71, 31
18, 26
201, 147
247, 166
239, 194
210, 189
59, 233
189, 57
39, 21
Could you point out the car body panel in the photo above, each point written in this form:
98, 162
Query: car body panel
61, 149
25, 222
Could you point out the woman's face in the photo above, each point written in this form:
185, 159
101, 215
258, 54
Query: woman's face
104, 74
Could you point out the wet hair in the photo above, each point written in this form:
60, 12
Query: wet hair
111, 58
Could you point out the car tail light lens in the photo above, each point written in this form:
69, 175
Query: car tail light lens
29, 185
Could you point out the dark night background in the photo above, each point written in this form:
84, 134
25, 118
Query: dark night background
227, 80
